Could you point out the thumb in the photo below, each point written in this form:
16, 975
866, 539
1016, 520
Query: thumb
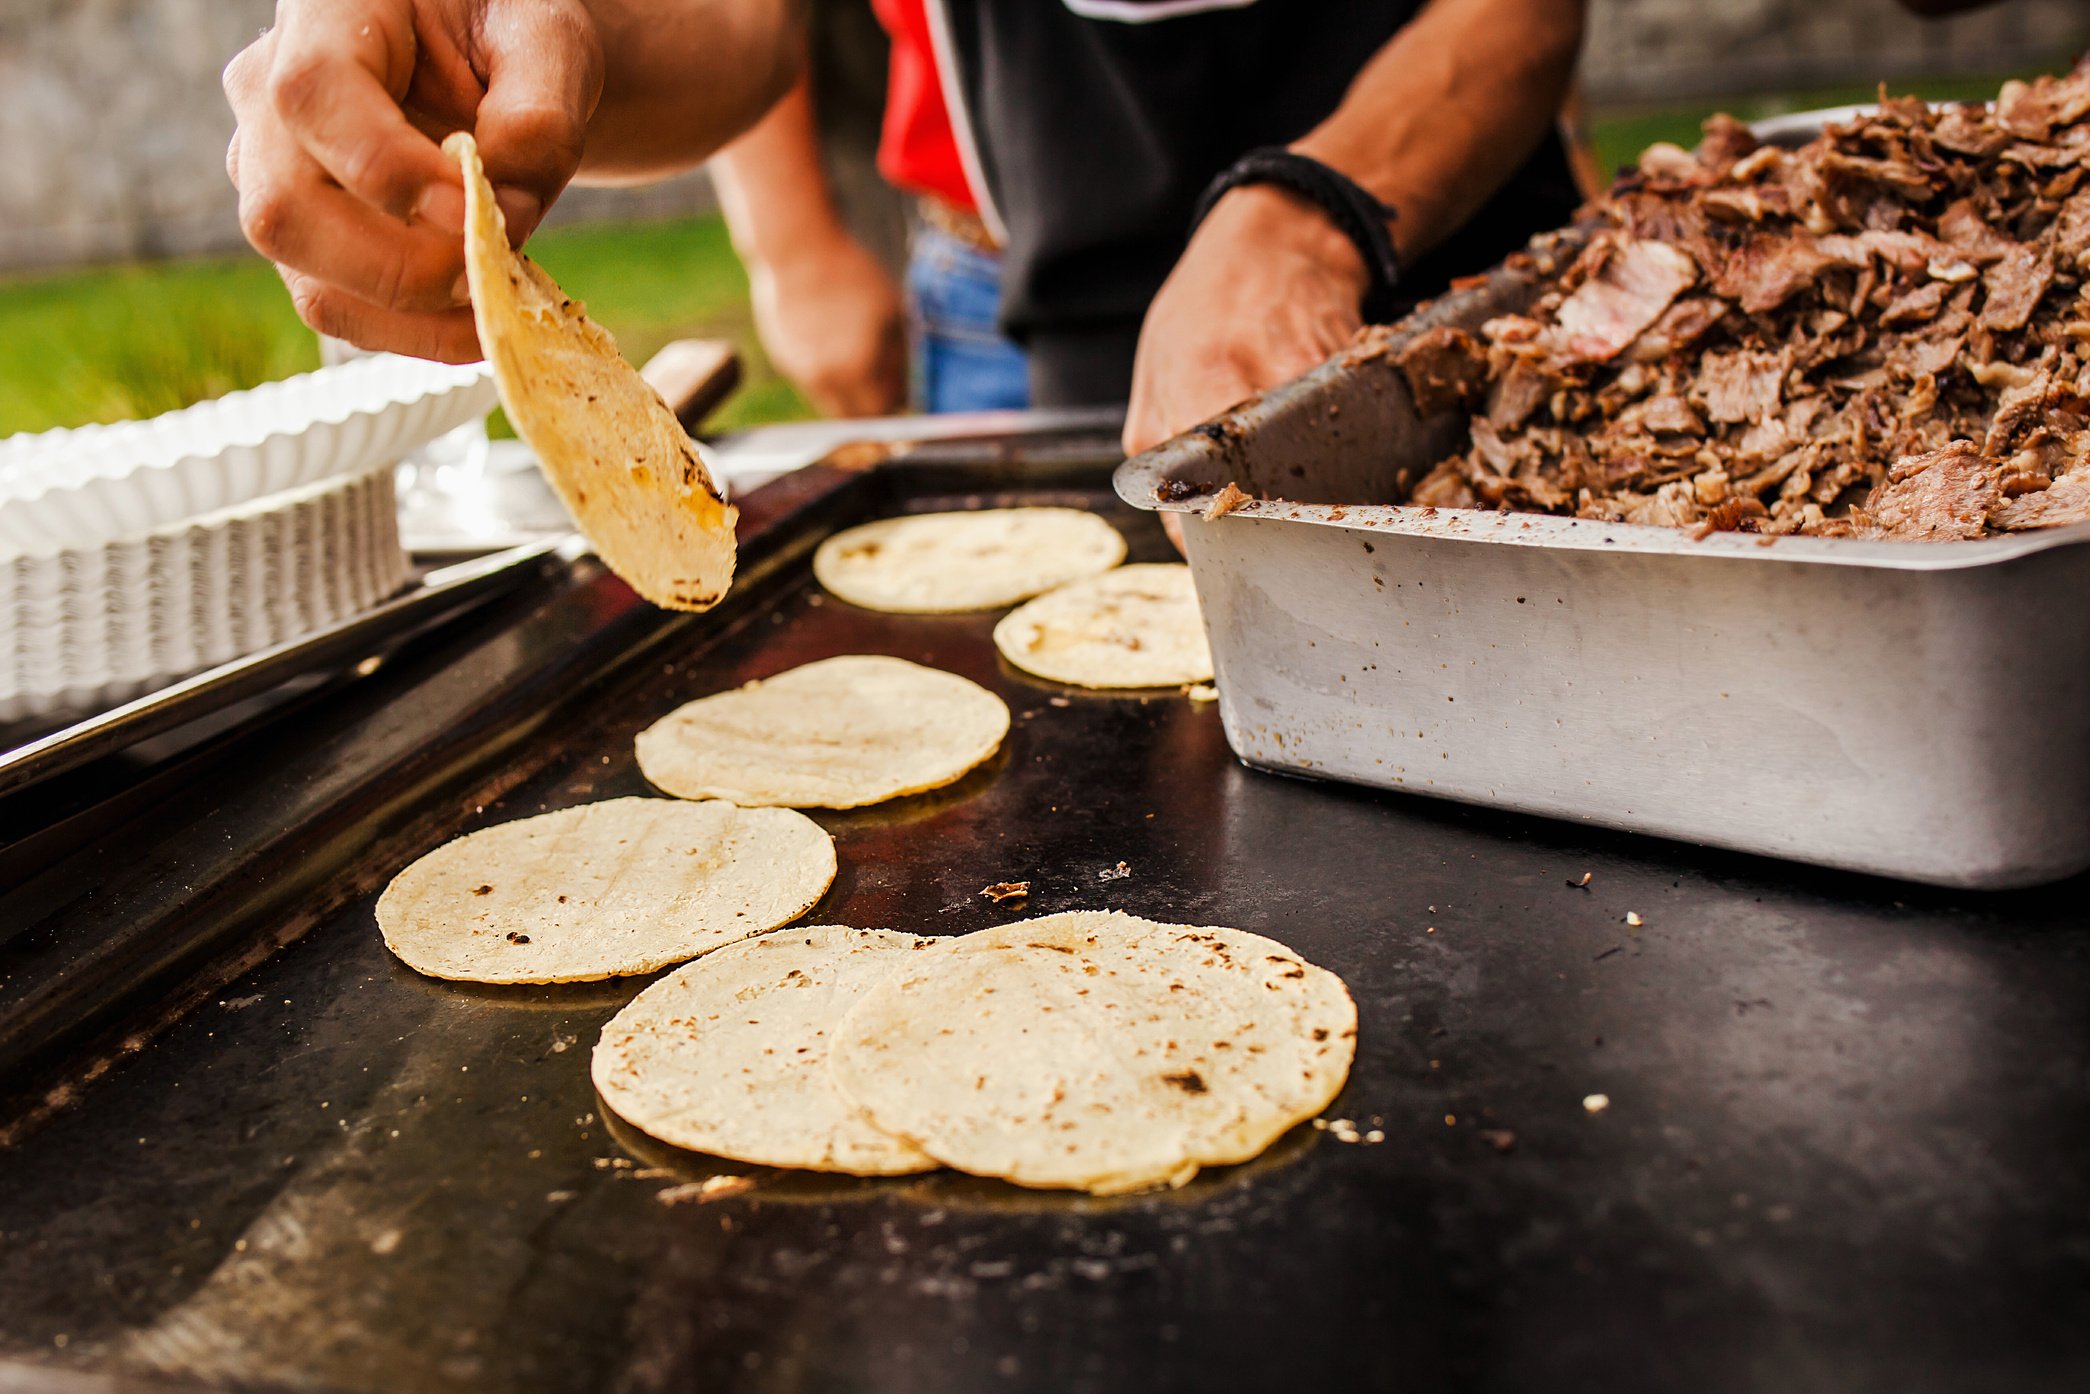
543, 78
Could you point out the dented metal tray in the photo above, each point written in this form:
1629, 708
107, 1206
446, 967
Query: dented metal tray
1907, 709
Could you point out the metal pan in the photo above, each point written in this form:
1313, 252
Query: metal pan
1906, 709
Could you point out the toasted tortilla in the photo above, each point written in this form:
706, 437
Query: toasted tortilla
1137, 626
839, 733
728, 1055
1096, 1051
946, 563
619, 460
603, 890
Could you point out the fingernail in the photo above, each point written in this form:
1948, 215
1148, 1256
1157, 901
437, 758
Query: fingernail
441, 206
461, 293
520, 209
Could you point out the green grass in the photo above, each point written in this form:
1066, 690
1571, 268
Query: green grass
117, 342
139, 340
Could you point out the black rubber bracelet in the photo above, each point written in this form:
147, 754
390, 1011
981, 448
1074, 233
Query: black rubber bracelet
1351, 207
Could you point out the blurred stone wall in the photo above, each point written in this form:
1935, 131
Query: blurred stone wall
1653, 50
113, 130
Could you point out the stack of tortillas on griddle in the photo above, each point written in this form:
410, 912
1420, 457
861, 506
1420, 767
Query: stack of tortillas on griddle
1090, 1051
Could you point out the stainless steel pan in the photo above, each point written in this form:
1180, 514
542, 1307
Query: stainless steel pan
1915, 710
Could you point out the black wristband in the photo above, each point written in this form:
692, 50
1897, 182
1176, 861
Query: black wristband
1351, 207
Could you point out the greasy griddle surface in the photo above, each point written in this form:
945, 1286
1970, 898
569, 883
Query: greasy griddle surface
1844, 1145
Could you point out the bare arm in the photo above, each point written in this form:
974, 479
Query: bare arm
683, 79
828, 312
1433, 125
342, 105
1448, 110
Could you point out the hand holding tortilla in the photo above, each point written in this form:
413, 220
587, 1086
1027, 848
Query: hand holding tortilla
617, 457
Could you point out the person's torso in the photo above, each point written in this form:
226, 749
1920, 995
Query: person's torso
1095, 124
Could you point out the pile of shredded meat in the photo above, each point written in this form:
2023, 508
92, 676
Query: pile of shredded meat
1881, 334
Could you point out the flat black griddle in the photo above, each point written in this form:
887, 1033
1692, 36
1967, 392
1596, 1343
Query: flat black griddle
1845, 1147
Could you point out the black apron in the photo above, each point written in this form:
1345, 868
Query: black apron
1095, 124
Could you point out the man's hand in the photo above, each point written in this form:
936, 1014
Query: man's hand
341, 110
832, 321
1432, 126
828, 313
1267, 289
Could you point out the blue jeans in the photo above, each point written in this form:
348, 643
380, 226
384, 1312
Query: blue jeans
961, 360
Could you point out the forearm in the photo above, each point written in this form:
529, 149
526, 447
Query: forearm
1450, 107
682, 78
773, 188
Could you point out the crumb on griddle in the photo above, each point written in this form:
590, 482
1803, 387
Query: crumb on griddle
703, 1192
1006, 890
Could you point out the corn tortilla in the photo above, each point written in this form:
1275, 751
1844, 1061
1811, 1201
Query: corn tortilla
728, 1055
839, 733
603, 890
946, 563
1137, 626
1097, 1051
617, 457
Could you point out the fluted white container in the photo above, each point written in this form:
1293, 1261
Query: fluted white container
101, 624
134, 554
92, 484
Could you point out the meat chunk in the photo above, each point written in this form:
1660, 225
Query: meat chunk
1740, 386
1446, 370
1916, 306
2014, 286
2065, 501
1769, 269
1681, 325
1638, 281
1946, 495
